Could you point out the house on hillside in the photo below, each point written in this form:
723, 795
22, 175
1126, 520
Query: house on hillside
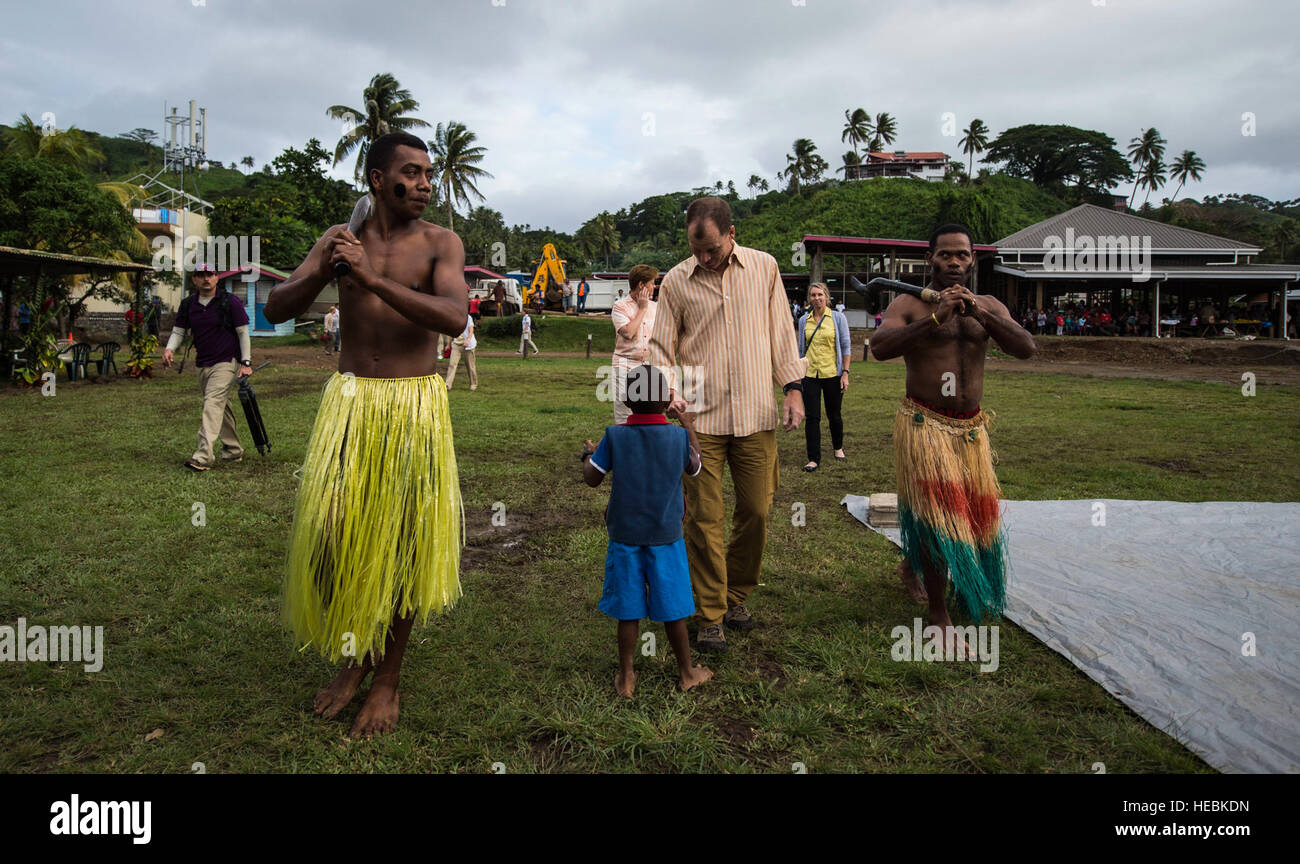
900, 163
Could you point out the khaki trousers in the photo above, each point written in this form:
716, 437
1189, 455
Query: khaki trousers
218, 383
723, 575
621, 411
456, 353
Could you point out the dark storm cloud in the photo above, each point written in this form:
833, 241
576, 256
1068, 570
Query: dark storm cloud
593, 105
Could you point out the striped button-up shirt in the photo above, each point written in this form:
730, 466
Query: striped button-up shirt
731, 334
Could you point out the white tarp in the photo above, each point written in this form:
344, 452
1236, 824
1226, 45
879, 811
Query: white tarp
1160, 606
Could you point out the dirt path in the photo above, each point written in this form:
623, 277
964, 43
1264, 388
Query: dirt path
1166, 359
1216, 361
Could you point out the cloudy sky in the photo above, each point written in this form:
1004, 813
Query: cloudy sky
586, 105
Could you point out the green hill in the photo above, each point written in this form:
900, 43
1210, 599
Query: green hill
652, 232
899, 209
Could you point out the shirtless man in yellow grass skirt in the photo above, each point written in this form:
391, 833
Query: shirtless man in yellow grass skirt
948, 495
378, 521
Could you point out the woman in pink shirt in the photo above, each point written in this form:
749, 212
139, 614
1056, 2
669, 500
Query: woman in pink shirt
634, 319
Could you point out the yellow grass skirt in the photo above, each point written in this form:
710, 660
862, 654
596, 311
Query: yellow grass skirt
949, 504
378, 523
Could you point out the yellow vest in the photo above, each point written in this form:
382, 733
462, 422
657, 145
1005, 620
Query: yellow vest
821, 348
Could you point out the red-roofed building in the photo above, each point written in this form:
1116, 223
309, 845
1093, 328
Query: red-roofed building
900, 163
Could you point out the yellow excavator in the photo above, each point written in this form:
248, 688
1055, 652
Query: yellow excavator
548, 278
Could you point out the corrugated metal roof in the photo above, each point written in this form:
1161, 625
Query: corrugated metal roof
1240, 269
908, 155
262, 268
14, 259
1089, 220
834, 244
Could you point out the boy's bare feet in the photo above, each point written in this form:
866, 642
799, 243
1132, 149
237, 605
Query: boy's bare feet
625, 683
334, 698
695, 675
915, 589
379, 713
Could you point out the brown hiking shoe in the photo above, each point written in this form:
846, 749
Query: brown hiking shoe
711, 638
738, 618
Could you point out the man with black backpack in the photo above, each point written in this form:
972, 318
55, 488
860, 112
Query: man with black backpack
219, 327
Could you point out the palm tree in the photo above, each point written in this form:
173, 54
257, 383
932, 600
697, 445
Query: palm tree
756, 183
70, 146
851, 159
804, 163
386, 105
73, 147
601, 236
1142, 150
455, 164
857, 128
1186, 165
247, 161
886, 131
975, 139
1153, 177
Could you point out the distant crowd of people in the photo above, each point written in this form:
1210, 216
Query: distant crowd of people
1072, 320
1076, 320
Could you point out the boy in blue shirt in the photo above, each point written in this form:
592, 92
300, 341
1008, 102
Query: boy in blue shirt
646, 574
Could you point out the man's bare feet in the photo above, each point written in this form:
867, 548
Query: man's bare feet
625, 684
695, 675
340, 691
915, 589
379, 713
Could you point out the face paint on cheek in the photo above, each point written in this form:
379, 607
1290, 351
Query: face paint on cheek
400, 190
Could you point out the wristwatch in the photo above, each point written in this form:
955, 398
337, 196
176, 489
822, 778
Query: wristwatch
793, 385
246, 363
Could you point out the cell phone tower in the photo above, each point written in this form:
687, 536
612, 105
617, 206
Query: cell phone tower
184, 144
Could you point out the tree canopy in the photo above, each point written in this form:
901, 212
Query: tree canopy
1056, 156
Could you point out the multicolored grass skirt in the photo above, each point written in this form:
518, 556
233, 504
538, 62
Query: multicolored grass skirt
949, 504
378, 523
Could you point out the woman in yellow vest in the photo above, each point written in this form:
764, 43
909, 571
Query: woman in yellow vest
824, 340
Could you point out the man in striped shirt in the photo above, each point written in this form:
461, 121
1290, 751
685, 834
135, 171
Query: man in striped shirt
723, 316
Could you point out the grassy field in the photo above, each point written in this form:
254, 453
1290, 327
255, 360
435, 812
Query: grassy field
96, 529
552, 332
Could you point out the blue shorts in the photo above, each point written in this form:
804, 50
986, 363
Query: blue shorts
647, 582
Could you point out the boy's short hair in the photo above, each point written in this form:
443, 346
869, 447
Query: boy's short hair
647, 390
